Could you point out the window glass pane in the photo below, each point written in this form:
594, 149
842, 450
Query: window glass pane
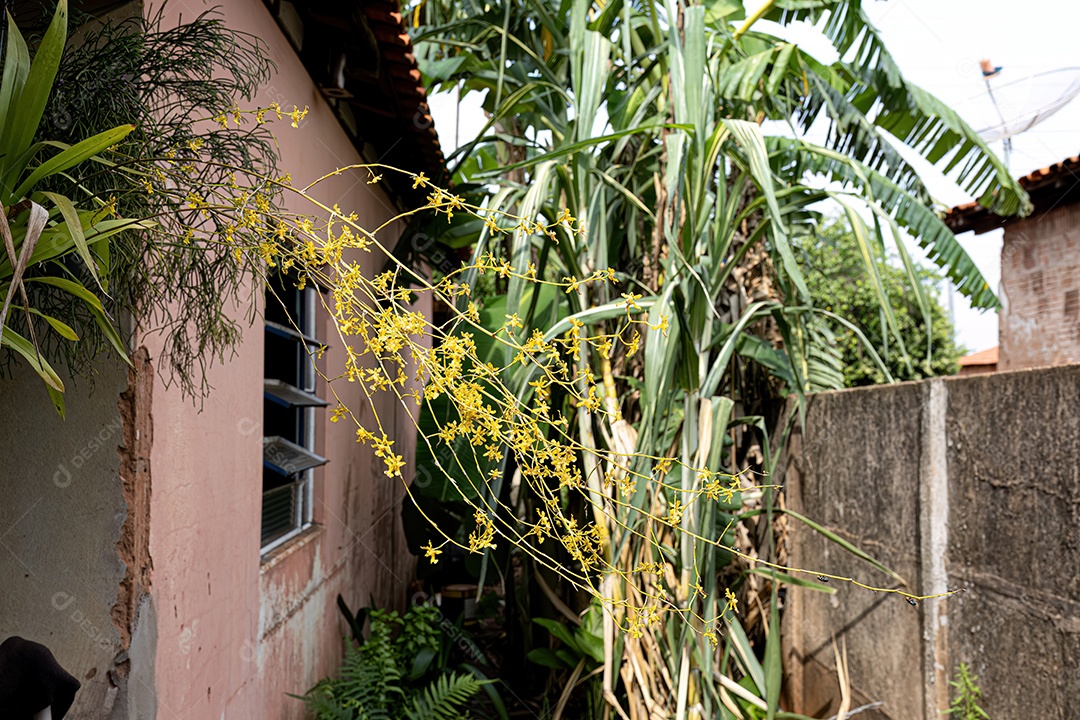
288, 458
282, 421
288, 416
282, 360
283, 301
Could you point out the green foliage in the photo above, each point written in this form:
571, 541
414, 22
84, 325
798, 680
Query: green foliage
164, 80
108, 128
836, 278
581, 644
968, 694
643, 124
52, 245
396, 673
442, 699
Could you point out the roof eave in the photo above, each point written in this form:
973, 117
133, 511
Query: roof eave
1050, 187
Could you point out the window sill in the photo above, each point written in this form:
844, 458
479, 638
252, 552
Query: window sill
277, 554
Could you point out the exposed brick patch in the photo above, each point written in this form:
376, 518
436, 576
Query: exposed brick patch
1037, 282
1072, 304
1029, 257
133, 547
1040, 277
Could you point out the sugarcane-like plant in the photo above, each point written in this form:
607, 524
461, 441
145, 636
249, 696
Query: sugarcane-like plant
667, 141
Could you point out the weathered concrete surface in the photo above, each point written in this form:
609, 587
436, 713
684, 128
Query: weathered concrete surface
855, 466
61, 513
1008, 507
1014, 545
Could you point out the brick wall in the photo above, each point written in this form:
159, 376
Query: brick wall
1040, 290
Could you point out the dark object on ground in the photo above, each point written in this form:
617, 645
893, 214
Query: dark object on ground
31, 680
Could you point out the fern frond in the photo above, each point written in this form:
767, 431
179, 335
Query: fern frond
444, 698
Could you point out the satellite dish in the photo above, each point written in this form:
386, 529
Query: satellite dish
1012, 107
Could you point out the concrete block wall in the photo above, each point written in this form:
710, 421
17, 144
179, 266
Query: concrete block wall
963, 483
62, 514
1039, 323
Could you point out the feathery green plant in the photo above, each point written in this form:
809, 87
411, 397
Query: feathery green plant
968, 694
392, 674
144, 112
169, 82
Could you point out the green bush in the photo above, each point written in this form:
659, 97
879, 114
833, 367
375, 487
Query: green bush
398, 673
836, 277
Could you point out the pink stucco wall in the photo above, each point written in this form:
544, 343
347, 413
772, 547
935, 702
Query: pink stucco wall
235, 633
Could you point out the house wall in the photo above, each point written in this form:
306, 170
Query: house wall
1039, 323
966, 484
977, 369
129, 534
61, 514
236, 633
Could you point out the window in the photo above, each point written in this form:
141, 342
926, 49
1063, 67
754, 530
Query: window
289, 405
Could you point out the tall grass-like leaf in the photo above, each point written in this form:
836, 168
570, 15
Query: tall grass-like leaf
56, 240
870, 262
719, 364
16, 66
789, 579
693, 67
854, 550
590, 86
15, 341
753, 143
57, 399
911, 270
863, 339
95, 307
565, 150
773, 665
28, 109
71, 156
62, 329
745, 652
73, 224
660, 353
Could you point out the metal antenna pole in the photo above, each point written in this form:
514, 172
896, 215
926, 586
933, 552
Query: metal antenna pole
952, 306
1007, 142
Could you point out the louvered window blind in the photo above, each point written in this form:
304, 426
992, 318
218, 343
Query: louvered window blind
289, 406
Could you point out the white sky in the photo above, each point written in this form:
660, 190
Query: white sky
938, 45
